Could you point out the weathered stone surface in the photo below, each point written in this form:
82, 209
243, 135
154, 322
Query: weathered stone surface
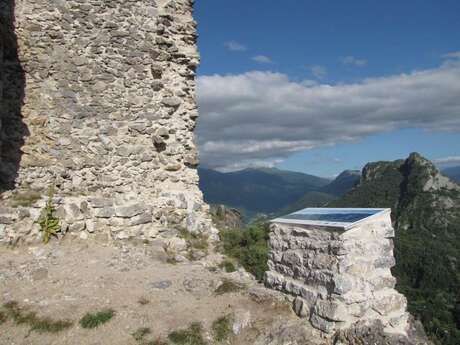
107, 119
129, 211
301, 308
331, 310
163, 284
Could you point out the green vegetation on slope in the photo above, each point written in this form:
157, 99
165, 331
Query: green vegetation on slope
342, 183
248, 246
427, 243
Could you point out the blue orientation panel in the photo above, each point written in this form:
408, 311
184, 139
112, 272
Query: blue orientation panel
341, 217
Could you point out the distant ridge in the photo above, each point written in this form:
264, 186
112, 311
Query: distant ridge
342, 183
272, 191
452, 172
264, 190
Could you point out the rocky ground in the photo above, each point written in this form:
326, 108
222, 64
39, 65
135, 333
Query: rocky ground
64, 281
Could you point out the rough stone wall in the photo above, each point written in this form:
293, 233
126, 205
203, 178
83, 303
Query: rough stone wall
338, 278
106, 115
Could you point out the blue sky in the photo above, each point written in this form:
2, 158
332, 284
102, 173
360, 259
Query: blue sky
326, 51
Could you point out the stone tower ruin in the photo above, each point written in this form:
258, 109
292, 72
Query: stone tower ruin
98, 103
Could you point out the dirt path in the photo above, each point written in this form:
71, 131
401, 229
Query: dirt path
65, 281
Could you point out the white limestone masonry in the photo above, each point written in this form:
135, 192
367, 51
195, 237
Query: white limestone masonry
338, 277
98, 101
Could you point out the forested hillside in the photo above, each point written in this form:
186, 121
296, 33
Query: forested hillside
426, 214
272, 191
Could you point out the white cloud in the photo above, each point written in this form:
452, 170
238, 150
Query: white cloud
262, 59
351, 60
235, 46
452, 55
451, 160
263, 117
318, 71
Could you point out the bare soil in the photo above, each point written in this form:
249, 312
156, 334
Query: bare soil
66, 280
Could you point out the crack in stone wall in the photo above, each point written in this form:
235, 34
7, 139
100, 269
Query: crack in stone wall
107, 111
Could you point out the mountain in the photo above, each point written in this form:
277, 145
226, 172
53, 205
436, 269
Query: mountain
310, 199
426, 213
264, 190
272, 191
342, 183
452, 172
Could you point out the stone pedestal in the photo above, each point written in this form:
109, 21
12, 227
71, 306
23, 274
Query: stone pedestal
338, 277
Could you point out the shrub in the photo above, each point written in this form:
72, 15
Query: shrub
248, 246
93, 320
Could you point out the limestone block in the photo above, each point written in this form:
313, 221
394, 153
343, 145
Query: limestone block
322, 324
140, 219
301, 308
105, 212
292, 258
331, 310
387, 301
77, 226
100, 202
129, 210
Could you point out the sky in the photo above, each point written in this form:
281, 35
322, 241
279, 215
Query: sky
324, 86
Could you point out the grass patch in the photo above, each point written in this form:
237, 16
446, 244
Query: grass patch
20, 316
93, 320
190, 336
228, 266
143, 301
248, 246
139, 334
228, 286
3, 317
25, 199
222, 328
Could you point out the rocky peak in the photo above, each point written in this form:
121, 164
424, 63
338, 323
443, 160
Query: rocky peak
428, 176
426, 217
376, 170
